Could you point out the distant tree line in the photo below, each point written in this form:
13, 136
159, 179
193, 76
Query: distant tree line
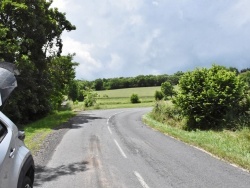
142, 80
131, 82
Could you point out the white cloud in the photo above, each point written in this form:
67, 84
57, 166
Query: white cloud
238, 15
128, 5
116, 63
147, 44
61, 4
136, 20
155, 37
156, 3
87, 63
82, 50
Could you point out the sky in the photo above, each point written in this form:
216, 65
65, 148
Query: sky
127, 38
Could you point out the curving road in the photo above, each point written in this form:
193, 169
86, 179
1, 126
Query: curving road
113, 148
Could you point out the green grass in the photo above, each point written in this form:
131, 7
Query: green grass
126, 93
36, 132
120, 98
228, 145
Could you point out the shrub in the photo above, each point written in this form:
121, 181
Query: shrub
134, 98
158, 95
167, 89
167, 113
90, 99
206, 95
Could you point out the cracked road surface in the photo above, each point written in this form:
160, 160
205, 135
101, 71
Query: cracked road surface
113, 148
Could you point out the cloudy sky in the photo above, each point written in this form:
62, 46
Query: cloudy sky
116, 38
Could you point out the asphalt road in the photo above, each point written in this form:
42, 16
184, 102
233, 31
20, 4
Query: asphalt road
113, 148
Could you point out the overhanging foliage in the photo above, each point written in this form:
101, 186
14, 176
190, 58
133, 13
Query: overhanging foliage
30, 37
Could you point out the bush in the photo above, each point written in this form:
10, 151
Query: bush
167, 114
158, 95
206, 95
134, 98
167, 89
90, 99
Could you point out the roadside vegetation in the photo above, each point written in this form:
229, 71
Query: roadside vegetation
211, 110
232, 146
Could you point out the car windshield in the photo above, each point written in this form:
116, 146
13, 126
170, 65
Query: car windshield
7, 80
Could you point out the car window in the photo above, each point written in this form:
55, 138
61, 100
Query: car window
3, 132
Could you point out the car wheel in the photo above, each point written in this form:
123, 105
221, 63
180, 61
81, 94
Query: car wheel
27, 183
26, 176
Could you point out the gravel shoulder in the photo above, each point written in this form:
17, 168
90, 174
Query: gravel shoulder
43, 155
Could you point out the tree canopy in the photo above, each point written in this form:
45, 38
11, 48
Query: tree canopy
30, 37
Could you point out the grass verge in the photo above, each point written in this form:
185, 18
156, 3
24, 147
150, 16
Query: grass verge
233, 147
37, 131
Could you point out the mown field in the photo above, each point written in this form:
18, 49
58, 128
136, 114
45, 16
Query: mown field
126, 93
120, 98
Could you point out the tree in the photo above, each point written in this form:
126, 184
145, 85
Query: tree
167, 89
62, 74
245, 76
233, 69
245, 70
30, 37
206, 95
98, 84
74, 91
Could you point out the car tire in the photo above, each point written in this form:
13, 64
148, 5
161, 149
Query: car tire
27, 183
26, 176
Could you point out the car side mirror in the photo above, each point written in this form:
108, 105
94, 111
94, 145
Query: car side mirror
21, 135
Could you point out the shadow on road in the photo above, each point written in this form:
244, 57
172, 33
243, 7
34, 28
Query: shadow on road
78, 121
45, 174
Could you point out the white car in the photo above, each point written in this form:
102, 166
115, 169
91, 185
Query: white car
16, 162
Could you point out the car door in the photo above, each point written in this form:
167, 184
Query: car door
7, 155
